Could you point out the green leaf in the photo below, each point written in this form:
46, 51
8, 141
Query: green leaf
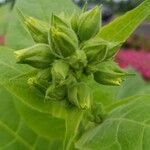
14, 133
41, 9
133, 85
45, 118
102, 93
121, 28
43, 124
126, 128
26, 98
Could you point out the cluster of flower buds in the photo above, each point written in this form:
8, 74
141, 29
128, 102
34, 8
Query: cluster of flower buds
66, 51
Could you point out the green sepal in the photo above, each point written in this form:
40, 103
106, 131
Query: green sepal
42, 80
41, 85
44, 74
59, 21
112, 49
79, 95
75, 18
78, 60
109, 73
63, 41
98, 113
95, 49
74, 21
37, 28
55, 92
38, 56
60, 71
89, 24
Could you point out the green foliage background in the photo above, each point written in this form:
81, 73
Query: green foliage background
4, 18
27, 123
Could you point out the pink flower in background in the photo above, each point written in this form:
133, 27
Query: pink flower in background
2, 40
140, 60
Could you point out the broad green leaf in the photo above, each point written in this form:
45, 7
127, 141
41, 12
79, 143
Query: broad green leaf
43, 124
126, 128
121, 102
121, 28
28, 99
103, 94
45, 118
23, 94
14, 134
17, 37
133, 85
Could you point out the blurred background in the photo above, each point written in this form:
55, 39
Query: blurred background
135, 52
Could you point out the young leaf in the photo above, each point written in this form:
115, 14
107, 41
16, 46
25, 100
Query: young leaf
126, 128
121, 28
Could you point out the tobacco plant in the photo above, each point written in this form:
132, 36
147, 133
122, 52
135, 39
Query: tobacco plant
62, 91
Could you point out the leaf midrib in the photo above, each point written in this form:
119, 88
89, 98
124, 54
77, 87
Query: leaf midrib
10, 131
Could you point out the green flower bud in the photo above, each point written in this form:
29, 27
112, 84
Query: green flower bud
37, 28
70, 80
75, 18
45, 75
79, 95
42, 80
78, 60
55, 93
41, 85
60, 70
95, 49
74, 22
59, 21
112, 49
89, 24
108, 73
64, 41
38, 56
98, 113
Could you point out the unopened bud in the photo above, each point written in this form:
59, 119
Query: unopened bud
38, 56
79, 95
55, 93
112, 49
59, 21
95, 49
78, 60
63, 41
108, 73
89, 24
42, 80
74, 22
37, 28
44, 74
60, 70
98, 113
